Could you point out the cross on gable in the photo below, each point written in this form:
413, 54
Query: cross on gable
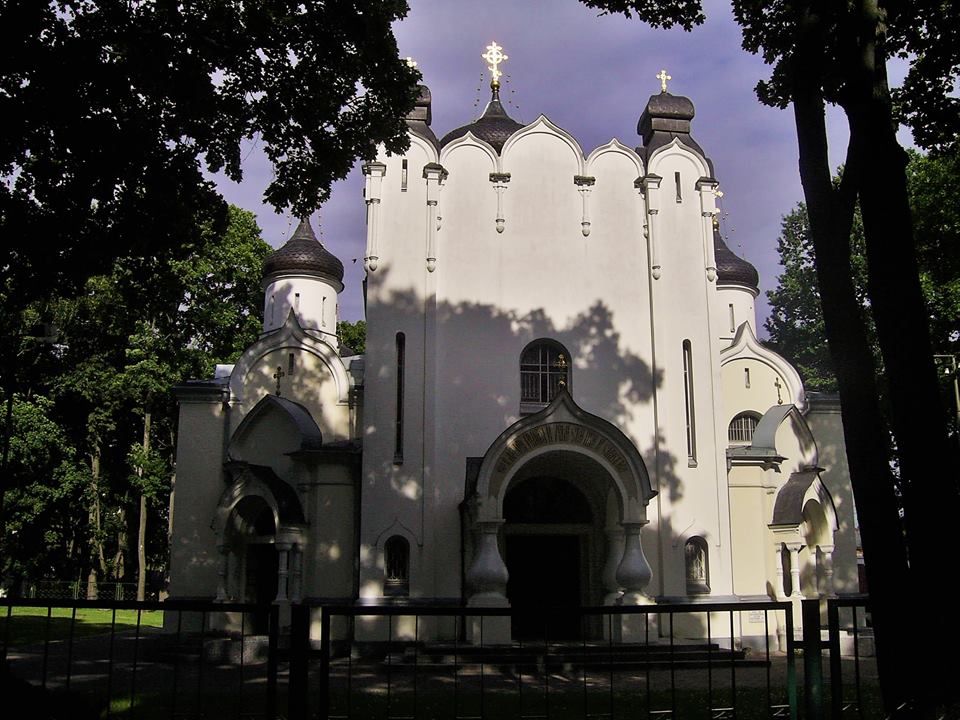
277, 376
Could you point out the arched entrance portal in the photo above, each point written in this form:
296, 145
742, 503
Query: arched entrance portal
251, 539
556, 516
553, 541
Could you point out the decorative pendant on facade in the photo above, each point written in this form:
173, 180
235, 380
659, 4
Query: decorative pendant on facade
500, 181
584, 185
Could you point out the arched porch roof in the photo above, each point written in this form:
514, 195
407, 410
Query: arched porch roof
564, 426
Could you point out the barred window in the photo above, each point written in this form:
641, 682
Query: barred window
544, 369
697, 562
740, 431
396, 552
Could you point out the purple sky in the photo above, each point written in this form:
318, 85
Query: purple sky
592, 76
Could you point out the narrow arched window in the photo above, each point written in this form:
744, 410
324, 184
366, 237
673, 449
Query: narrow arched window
398, 426
396, 560
688, 404
544, 369
741, 428
697, 564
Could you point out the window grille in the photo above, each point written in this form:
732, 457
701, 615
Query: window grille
544, 369
740, 431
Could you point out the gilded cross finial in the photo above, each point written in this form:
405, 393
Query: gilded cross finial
663, 77
494, 56
277, 376
778, 386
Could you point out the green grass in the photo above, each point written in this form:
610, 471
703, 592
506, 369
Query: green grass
29, 625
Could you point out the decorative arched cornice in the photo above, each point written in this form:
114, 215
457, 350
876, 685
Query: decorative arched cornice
311, 439
421, 140
617, 148
471, 140
746, 346
259, 481
543, 126
290, 335
675, 146
563, 425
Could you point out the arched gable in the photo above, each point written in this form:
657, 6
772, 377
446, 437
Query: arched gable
676, 148
309, 437
803, 487
563, 425
420, 140
471, 140
746, 346
290, 335
617, 148
543, 126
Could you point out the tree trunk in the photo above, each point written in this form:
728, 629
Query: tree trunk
123, 541
831, 214
98, 560
929, 466
142, 529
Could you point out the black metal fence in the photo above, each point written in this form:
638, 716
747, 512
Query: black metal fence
176, 659
203, 659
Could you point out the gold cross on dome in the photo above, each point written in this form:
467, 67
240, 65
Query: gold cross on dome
663, 77
494, 56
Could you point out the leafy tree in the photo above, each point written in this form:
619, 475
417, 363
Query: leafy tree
48, 480
796, 323
353, 335
836, 52
112, 110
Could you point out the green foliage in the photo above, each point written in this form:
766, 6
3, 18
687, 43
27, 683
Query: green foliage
45, 483
795, 324
353, 335
112, 111
122, 345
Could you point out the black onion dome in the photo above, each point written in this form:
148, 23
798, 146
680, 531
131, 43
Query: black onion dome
493, 127
731, 268
303, 253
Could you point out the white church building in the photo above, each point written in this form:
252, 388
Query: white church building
562, 401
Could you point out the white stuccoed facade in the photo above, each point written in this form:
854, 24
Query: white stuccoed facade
433, 469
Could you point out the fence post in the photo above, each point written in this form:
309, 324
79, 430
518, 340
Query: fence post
324, 709
272, 644
836, 670
299, 661
812, 660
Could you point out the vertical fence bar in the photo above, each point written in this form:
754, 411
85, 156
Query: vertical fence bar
709, 664
481, 669
273, 641
791, 662
113, 632
133, 671
812, 660
416, 657
610, 657
243, 651
6, 632
324, 683
203, 626
673, 673
176, 665
389, 659
856, 659
46, 647
299, 646
73, 622
583, 636
836, 668
733, 669
766, 646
